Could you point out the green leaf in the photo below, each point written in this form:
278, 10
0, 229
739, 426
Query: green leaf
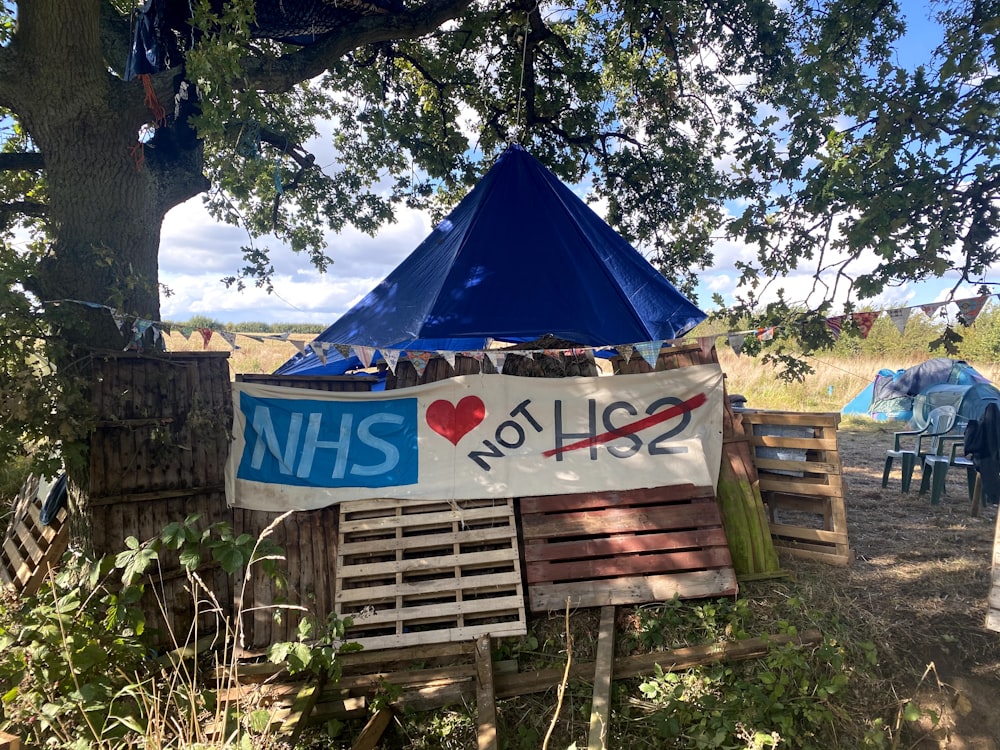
911, 711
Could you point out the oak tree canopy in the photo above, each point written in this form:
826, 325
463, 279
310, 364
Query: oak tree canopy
791, 126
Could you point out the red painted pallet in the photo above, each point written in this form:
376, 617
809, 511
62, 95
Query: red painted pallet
624, 547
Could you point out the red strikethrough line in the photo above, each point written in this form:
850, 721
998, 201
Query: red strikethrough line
685, 406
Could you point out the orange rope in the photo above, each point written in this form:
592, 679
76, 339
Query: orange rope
151, 101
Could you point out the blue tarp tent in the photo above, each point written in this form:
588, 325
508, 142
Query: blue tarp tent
520, 257
910, 394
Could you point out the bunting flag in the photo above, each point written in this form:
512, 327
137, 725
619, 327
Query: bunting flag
365, 354
391, 357
497, 357
206, 336
625, 351
969, 309
230, 338
119, 321
864, 321
449, 357
835, 324
765, 334
320, 351
931, 310
419, 359
300, 345
344, 350
649, 351
736, 341
899, 316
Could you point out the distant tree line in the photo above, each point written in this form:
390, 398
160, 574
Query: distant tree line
203, 321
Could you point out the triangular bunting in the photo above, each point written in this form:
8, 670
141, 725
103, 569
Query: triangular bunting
320, 350
931, 310
449, 357
864, 321
706, 344
835, 324
899, 316
625, 351
119, 321
497, 357
344, 350
419, 360
391, 358
300, 345
649, 351
765, 334
365, 354
206, 336
230, 338
736, 341
186, 331
969, 309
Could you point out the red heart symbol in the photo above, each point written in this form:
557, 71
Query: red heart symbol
453, 422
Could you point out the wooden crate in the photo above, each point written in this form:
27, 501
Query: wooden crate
29, 546
624, 547
802, 486
413, 572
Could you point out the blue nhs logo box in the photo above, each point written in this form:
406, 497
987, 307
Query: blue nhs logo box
313, 443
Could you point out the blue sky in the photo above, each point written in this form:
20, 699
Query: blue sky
196, 252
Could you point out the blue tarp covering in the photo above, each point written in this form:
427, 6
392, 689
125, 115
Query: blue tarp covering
520, 257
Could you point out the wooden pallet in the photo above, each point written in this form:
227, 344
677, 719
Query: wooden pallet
624, 547
29, 546
802, 487
993, 616
413, 573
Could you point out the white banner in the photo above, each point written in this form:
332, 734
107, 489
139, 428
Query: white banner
474, 437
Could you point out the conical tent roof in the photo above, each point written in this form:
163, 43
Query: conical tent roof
520, 257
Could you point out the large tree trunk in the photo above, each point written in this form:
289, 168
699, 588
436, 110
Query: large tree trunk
107, 193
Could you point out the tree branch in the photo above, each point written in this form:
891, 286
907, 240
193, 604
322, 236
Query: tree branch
31, 161
282, 74
25, 208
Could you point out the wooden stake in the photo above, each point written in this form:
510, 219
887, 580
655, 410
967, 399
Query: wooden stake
485, 698
600, 707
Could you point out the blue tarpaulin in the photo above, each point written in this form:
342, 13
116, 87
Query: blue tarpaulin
520, 257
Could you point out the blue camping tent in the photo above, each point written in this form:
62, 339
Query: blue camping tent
520, 257
910, 394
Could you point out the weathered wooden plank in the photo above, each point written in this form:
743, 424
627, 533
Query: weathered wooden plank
799, 486
810, 467
633, 590
420, 638
625, 544
812, 535
620, 520
439, 612
628, 565
600, 705
428, 564
775, 441
592, 500
467, 536
416, 521
373, 731
810, 419
485, 582
486, 708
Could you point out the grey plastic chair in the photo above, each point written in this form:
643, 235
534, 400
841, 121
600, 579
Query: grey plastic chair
940, 422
